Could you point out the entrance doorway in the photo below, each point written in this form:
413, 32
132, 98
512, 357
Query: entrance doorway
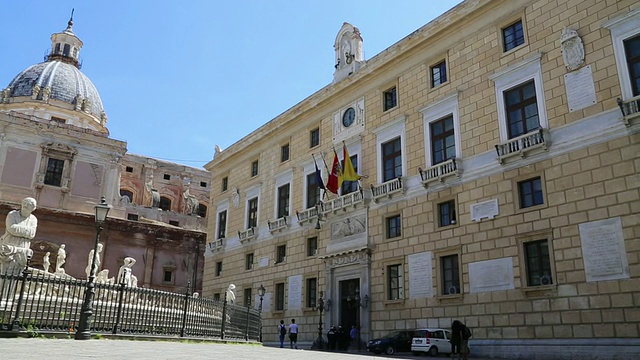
348, 312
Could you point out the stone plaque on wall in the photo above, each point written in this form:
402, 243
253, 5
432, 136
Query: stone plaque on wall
420, 277
294, 296
264, 261
603, 251
491, 275
486, 209
581, 92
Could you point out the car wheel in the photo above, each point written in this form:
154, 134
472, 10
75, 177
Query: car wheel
390, 350
433, 351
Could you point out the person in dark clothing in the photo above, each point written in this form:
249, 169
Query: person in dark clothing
458, 343
341, 337
331, 338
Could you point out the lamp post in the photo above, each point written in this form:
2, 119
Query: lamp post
84, 332
320, 307
261, 291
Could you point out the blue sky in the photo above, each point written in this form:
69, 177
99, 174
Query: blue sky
178, 77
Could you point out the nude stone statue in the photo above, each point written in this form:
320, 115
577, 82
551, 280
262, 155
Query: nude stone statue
87, 270
125, 273
46, 262
60, 260
16, 242
231, 295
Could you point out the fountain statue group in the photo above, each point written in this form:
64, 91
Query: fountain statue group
15, 250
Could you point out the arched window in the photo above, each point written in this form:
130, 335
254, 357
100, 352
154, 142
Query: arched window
67, 49
127, 193
202, 210
57, 48
165, 203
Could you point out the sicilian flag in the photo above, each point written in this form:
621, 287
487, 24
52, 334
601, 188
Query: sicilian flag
319, 176
348, 172
335, 177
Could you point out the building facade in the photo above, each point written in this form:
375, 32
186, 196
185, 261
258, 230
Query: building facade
499, 150
55, 147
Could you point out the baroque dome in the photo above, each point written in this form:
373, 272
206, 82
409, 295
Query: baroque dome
56, 89
58, 80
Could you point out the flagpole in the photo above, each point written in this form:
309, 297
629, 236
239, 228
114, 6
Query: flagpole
324, 194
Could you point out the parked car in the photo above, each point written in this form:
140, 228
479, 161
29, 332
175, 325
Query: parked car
399, 340
431, 341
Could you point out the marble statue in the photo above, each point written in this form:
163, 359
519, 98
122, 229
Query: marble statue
125, 273
46, 262
231, 295
190, 202
16, 242
87, 270
60, 260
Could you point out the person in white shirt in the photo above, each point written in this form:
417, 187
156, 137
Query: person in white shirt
293, 334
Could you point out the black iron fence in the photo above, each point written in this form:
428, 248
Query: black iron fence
42, 302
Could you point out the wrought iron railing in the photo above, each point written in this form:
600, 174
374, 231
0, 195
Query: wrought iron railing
42, 302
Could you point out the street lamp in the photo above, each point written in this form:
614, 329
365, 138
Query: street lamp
84, 332
261, 291
318, 344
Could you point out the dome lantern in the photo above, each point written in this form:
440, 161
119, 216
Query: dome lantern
65, 46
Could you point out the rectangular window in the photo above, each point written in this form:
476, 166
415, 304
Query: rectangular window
218, 268
174, 222
167, 177
132, 217
225, 183
54, 172
281, 253
283, 200
247, 297
254, 168
312, 289
279, 296
216, 296
129, 169
284, 153
450, 275
390, 98
168, 276
394, 282
222, 224
438, 74
513, 36
313, 190
314, 137
248, 261
350, 186
443, 143
530, 192
59, 120
312, 246
521, 108
252, 214
203, 184
632, 52
447, 213
394, 226
391, 160
538, 264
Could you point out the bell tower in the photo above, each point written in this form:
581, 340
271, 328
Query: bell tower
348, 49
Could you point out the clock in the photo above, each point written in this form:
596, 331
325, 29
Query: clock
348, 117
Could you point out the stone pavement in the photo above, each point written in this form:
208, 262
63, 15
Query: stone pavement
64, 349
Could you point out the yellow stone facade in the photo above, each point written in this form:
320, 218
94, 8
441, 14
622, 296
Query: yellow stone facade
586, 159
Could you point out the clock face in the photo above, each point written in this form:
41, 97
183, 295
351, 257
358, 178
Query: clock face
348, 117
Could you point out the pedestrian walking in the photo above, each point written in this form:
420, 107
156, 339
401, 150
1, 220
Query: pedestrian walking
293, 334
282, 332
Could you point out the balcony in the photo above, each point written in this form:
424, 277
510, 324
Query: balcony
246, 235
308, 215
387, 189
630, 110
439, 172
521, 145
217, 245
344, 201
278, 224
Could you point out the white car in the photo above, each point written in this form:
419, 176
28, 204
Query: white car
431, 341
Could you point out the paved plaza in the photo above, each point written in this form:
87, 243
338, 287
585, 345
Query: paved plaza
64, 349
